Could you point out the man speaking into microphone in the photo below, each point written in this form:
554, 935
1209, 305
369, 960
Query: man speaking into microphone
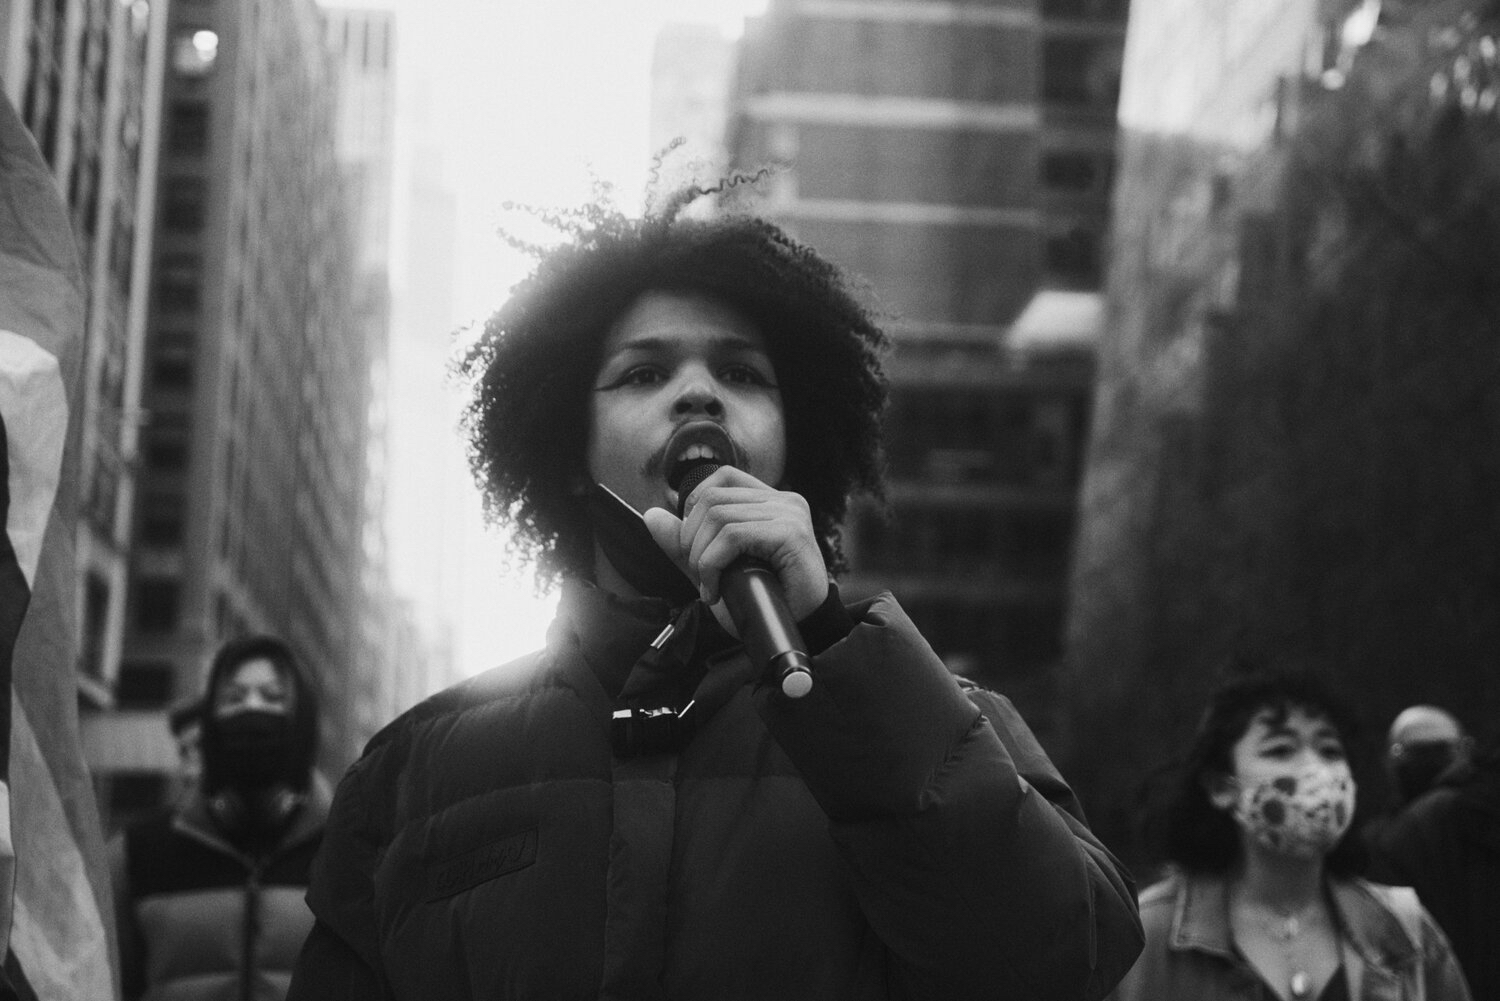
663, 803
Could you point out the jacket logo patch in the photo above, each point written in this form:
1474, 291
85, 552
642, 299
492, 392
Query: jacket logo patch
483, 864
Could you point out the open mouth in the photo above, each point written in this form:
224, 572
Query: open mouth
696, 455
694, 446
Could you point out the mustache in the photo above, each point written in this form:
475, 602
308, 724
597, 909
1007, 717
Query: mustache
731, 453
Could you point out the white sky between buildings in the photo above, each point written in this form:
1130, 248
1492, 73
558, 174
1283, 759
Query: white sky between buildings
524, 101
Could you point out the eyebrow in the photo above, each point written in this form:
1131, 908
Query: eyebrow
1321, 730
728, 342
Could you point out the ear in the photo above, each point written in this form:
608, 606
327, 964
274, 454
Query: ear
1222, 790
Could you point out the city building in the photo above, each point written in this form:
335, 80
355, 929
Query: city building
363, 43
256, 388
431, 500
87, 80
958, 157
1208, 538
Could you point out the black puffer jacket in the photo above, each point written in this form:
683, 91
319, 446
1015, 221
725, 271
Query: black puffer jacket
1446, 845
210, 907
200, 920
893, 834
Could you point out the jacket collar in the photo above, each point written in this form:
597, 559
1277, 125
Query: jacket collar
1200, 922
609, 631
194, 820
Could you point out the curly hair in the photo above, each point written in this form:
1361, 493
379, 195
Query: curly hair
1198, 836
527, 421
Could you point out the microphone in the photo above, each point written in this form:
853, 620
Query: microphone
757, 604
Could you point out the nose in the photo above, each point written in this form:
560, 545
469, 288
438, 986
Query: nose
697, 392
1307, 757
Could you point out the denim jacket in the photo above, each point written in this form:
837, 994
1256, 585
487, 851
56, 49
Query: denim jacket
1190, 954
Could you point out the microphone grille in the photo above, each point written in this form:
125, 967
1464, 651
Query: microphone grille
689, 482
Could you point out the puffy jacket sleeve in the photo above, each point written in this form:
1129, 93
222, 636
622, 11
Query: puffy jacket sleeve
340, 960
968, 852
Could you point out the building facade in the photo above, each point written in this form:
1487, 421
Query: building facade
1263, 404
958, 157
256, 384
363, 44
87, 81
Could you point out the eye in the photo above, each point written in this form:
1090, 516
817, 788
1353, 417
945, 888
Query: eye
1331, 750
637, 375
1278, 749
745, 375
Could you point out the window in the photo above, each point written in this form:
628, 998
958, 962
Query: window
1081, 73
145, 684
1076, 172
95, 624
184, 206
172, 373
189, 127
158, 603
178, 282
172, 360
1099, 10
1072, 258
166, 452
162, 513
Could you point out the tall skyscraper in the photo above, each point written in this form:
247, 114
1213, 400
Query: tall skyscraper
363, 42
958, 156
256, 388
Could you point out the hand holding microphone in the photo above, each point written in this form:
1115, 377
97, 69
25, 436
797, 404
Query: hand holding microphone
752, 592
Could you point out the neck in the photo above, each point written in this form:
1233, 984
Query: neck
1281, 882
608, 578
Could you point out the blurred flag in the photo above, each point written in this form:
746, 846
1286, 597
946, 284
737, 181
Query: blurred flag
54, 913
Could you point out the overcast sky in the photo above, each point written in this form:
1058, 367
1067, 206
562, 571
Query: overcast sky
527, 100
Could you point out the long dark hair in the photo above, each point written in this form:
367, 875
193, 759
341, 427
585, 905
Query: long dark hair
1188, 829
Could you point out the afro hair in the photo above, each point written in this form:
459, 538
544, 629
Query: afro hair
533, 364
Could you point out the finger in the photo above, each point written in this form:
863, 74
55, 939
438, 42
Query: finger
724, 476
763, 532
721, 508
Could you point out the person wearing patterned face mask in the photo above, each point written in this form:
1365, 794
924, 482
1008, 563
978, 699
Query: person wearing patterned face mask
209, 896
1263, 900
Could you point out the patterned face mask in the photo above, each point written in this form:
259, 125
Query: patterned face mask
1303, 815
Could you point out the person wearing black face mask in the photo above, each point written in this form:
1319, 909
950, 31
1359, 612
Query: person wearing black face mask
209, 897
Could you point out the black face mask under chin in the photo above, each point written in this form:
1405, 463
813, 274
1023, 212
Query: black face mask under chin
627, 543
254, 748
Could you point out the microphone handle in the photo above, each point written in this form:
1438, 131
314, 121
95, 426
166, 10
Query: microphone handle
757, 604
753, 595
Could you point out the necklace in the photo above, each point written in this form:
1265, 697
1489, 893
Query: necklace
1284, 926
